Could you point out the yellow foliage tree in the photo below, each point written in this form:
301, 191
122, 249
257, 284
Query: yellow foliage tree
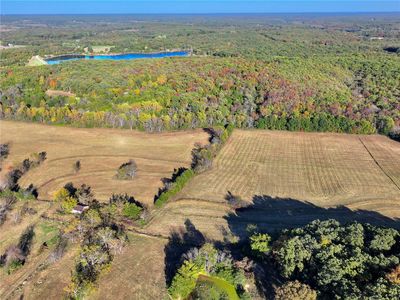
162, 79
394, 275
61, 195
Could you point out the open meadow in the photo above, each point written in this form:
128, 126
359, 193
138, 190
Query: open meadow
142, 258
100, 152
292, 178
287, 180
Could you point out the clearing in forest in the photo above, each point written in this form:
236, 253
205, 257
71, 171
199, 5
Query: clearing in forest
36, 61
104, 49
100, 152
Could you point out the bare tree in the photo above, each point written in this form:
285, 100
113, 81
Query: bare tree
105, 237
127, 171
59, 249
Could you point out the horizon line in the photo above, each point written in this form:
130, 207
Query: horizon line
204, 13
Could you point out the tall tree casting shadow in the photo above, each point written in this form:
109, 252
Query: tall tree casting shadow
180, 242
275, 214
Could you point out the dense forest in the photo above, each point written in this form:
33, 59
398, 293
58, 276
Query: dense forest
322, 260
269, 72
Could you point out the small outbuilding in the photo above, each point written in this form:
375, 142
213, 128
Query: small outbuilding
80, 208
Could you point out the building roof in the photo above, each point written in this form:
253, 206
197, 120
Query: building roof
80, 208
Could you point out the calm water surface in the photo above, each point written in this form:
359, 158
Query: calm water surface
126, 56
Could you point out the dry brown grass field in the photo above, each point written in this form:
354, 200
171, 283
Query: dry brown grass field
42, 283
101, 152
137, 273
287, 178
299, 175
44, 231
10, 231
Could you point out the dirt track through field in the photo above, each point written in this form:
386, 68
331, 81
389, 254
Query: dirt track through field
384, 172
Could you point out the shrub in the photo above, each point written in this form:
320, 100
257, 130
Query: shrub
120, 199
4, 151
35, 160
13, 266
23, 195
12, 179
122, 205
132, 211
235, 201
385, 125
9, 198
207, 290
77, 166
127, 171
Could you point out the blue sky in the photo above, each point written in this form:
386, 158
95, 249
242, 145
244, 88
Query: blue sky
194, 6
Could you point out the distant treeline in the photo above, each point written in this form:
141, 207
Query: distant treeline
251, 36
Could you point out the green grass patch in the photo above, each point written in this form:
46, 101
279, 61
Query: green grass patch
47, 232
220, 283
20, 195
14, 266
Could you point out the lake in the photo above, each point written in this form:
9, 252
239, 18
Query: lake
126, 56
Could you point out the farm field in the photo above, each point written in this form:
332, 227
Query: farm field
142, 258
50, 282
288, 179
292, 178
101, 152
38, 279
10, 231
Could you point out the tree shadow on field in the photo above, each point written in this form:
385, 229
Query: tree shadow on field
180, 242
272, 215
